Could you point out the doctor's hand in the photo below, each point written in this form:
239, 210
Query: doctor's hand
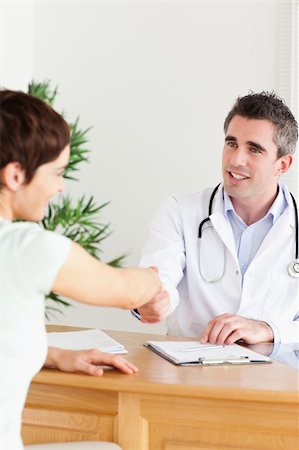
157, 309
263, 348
229, 328
86, 361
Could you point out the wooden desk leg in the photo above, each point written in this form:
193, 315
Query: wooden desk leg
132, 428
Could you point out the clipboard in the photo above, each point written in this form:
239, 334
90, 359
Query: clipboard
192, 353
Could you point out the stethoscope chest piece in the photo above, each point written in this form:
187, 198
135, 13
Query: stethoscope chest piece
293, 268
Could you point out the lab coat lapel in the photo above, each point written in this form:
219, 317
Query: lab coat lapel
284, 226
222, 225
224, 230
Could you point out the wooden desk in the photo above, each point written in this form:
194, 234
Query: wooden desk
165, 407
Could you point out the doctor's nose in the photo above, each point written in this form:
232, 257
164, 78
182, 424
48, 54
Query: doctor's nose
238, 157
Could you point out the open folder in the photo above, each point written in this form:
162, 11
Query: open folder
190, 353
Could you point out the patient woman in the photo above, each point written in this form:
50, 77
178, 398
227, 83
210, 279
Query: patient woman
34, 152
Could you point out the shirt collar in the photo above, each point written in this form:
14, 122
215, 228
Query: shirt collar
277, 208
227, 203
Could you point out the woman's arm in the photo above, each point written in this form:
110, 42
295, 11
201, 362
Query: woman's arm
84, 278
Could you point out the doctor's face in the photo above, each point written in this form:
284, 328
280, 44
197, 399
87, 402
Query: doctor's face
250, 166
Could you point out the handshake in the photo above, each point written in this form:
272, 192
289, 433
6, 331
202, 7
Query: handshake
157, 307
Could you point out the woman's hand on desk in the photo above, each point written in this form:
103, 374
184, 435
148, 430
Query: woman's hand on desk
86, 361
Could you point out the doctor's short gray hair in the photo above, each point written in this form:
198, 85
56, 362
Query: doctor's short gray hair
268, 106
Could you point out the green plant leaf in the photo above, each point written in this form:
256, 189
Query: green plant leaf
43, 91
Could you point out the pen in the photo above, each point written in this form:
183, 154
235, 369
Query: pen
193, 349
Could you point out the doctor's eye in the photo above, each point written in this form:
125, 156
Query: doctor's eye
255, 150
231, 144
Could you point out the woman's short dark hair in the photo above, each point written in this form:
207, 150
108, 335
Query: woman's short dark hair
31, 132
268, 106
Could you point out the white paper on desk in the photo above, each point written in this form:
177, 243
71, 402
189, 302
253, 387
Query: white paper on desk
85, 340
175, 352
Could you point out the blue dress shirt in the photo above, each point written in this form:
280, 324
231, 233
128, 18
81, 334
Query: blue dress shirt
248, 238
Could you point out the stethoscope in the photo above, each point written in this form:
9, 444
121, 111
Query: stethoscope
293, 266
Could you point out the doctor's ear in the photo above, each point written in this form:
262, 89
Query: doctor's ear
13, 176
285, 163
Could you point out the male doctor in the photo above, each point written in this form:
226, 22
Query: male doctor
235, 282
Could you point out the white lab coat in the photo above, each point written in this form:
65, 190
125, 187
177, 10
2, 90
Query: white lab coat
268, 292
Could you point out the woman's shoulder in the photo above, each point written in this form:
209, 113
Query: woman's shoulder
18, 229
28, 235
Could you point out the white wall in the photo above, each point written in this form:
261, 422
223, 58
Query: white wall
16, 44
155, 79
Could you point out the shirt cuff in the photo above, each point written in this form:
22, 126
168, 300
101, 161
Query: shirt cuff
276, 334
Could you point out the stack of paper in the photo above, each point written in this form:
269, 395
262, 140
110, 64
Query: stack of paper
194, 353
85, 340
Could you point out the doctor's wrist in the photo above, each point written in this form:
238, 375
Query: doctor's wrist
269, 334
